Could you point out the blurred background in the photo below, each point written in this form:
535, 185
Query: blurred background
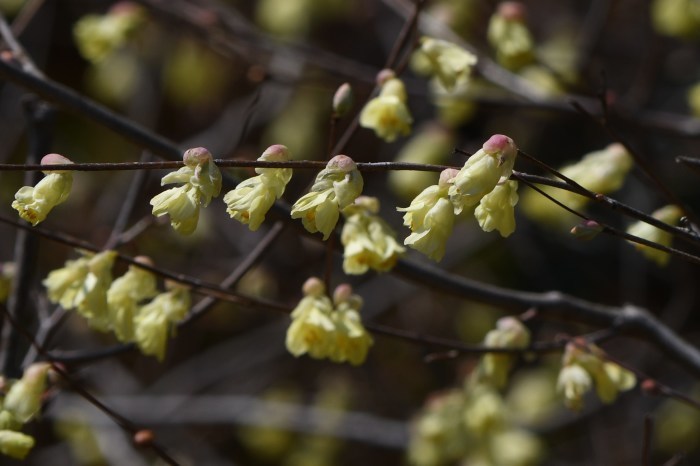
238, 76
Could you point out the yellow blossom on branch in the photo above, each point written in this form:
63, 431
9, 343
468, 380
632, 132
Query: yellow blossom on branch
387, 114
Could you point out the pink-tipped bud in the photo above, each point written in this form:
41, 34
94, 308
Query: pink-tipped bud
144, 437
313, 286
512, 11
275, 153
587, 230
54, 159
125, 8
342, 293
497, 143
385, 75
343, 100
342, 162
196, 156
447, 175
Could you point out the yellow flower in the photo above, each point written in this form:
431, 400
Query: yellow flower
574, 382
97, 36
609, 378
82, 284
509, 333
124, 296
202, 181
35, 203
368, 240
15, 444
676, 18
431, 218
352, 341
670, 214
23, 400
387, 114
509, 35
490, 165
336, 187
250, 200
495, 210
449, 62
154, 321
312, 330
601, 171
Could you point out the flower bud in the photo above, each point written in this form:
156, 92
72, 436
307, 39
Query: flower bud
23, 399
35, 203
343, 100
587, 230
15, 444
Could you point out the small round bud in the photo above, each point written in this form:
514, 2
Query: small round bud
650, 387
385, 75
54, 159
342, 162
343, 100
196, 156
275, 153
144, 437
313, 286
447, 175
512, 11
587, 230
342, 293
125, 8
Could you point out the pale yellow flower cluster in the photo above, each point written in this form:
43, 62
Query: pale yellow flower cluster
326, 329
669, 214
584, 366
494, 367
130, 306
509, 36
35, 203
483, 180
602, 171
473, 424
20, 405
369, 242
98, 36
201, 181
250, 200
387, 114
449, 63
336, 187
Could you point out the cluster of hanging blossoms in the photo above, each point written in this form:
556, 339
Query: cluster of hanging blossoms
326, 329
130, 306
483, 180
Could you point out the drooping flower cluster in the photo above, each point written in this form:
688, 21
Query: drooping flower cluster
326, 329
97, 36
250, 200
201, 181
472, 424
601, 171
387, 114
20, 405
583, 366
483, 180
336, 187
369, 241
35, 203
669, 214
449, 63
129, 306
431, 217
494, 367
509, 36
